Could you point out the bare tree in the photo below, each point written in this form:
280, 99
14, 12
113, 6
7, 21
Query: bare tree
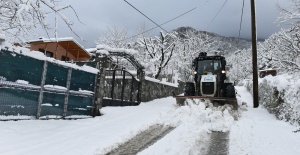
114, 37
160, 50
21, 17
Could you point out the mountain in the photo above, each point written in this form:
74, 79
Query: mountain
222, 44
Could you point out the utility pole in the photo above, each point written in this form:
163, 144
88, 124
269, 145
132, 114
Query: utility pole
254, 56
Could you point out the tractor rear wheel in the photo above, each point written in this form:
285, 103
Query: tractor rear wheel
230, 91
189, 89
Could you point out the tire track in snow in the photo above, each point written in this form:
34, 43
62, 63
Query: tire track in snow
218, 144
142, 140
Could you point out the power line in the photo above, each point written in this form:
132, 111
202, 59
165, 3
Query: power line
146, 16
241, 19
216, 14
159, 25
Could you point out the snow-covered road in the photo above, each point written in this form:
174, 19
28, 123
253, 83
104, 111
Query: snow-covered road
256, 132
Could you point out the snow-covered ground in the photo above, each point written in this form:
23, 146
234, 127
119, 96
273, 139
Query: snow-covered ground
259, 133
256, 132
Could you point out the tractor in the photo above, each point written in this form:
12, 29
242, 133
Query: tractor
209, 81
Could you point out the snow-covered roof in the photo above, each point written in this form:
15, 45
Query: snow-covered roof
42, 39
91, 50
128, 54
103, 48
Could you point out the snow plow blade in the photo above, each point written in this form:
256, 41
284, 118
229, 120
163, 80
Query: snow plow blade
222, 100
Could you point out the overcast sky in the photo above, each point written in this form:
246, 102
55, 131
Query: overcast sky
98, 14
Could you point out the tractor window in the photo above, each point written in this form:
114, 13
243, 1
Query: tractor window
217, 65
205, 66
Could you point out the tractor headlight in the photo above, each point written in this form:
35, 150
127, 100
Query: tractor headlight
195, 72
223, 71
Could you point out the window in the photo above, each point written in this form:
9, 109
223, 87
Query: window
208, 66
47, 53
64, 58
41, 50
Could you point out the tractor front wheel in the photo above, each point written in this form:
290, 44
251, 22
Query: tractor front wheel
189, 89
230, 91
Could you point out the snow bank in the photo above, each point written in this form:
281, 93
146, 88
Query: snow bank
202, 113
281, 96
192, 123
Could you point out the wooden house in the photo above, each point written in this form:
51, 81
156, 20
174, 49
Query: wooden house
64, 49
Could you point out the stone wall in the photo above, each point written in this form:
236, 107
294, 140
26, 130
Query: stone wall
153, 90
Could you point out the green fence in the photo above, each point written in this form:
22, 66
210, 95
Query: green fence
32, 87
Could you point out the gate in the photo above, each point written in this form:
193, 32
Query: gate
42, 89
121, 88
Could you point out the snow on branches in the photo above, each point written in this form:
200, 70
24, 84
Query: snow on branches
160, 50
282, 50
240, 65
20, 18
114, 37
291, 14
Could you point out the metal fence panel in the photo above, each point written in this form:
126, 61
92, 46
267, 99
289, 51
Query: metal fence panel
81, 80
22, 98
18, 67
53, 104
18, 102
79, 105
56, 75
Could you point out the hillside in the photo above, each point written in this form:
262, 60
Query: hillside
221, 43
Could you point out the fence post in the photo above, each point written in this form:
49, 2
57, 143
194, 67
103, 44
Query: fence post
41, 95
113, 84
131, 89
102, 64
141, 77
67, 92
123, 85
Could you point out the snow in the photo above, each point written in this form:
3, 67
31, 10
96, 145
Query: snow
281, 82
255, 132
91, 50
47, 104
22, 82
55, 87
103, 48
56, 39
85, 91
280, 94
161, 81
2, 37
258, 132
19, 117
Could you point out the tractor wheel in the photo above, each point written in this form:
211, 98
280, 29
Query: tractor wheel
189, 89
230, 91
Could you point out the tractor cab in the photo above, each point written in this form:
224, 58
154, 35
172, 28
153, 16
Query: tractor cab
209, 75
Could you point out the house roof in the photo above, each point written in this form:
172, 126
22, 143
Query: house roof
69, 44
